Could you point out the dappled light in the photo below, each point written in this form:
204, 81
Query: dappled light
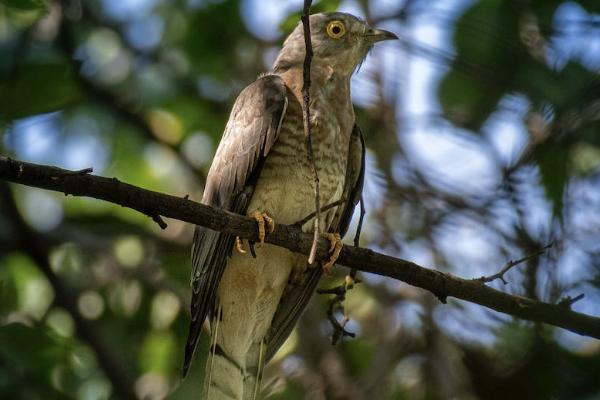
482, 132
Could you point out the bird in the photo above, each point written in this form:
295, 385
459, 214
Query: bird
261, 169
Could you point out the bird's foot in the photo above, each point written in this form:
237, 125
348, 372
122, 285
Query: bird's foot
262, 219
335, 248
239, 245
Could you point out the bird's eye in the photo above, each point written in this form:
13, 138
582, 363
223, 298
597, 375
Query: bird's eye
336, 29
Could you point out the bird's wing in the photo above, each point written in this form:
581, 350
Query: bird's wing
250, 133
297, 294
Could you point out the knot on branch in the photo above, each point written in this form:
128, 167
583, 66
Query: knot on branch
568, 301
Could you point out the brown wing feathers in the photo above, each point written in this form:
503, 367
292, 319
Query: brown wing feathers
249, 135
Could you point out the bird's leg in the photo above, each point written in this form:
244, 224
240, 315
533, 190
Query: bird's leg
262, 219
335, 248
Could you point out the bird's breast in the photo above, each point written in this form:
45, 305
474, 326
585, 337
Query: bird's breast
285, 188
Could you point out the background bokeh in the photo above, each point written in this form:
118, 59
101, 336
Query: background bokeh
483, 131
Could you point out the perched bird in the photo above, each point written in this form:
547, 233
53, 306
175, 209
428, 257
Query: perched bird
261, 169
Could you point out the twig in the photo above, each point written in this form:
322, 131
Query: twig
307, 127
510, 264
337, 302
341, 290
292, 238
326, 208
361, 218
568, 301
158, 219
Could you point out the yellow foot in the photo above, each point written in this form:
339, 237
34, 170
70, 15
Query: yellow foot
262, 219
334, 249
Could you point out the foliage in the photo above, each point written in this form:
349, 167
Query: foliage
501, 158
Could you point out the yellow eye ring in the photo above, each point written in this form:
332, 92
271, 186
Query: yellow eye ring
336, 29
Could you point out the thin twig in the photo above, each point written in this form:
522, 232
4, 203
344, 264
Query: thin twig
158, 219
361, 218
326, 208
335, 303
307, 127
568, 301
510, 264
340, 291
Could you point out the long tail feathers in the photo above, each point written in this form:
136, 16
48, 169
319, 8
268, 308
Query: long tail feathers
260, 369
210, 362
255, 365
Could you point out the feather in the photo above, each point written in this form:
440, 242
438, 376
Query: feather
251, 130
297, 294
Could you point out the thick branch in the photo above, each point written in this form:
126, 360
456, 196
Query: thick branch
291, 237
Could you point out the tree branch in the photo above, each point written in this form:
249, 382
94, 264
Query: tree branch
151, 203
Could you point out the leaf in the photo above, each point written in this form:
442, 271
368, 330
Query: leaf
357, 355
553, 162
26, 5
591, 6
204, 43
487, 45
288, 24
38, 88
545, 11
29, 356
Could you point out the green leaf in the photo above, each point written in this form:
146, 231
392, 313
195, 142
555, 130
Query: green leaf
29, 356
288, 24
553, 162
26, 5
204, 46
545, 11
38, 88
157, 353
357, 354
487, 45
591, 6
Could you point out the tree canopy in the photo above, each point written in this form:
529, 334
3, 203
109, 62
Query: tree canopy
482, 125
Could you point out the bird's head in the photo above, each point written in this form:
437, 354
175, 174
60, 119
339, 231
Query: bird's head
339, 40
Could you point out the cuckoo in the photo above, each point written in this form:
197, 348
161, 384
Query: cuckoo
261, 169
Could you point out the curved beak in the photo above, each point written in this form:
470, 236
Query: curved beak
375, 35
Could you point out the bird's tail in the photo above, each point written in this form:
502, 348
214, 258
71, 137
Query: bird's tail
255, 364
223, 376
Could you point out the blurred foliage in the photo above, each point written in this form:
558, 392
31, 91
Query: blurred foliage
505, 159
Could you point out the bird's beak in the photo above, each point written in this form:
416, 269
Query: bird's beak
374, 35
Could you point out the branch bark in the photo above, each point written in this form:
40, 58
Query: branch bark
154, 204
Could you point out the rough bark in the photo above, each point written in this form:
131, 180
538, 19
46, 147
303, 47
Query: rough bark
155, 205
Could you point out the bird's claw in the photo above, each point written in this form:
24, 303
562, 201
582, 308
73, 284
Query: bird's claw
239, 245
335, 248
263, 219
